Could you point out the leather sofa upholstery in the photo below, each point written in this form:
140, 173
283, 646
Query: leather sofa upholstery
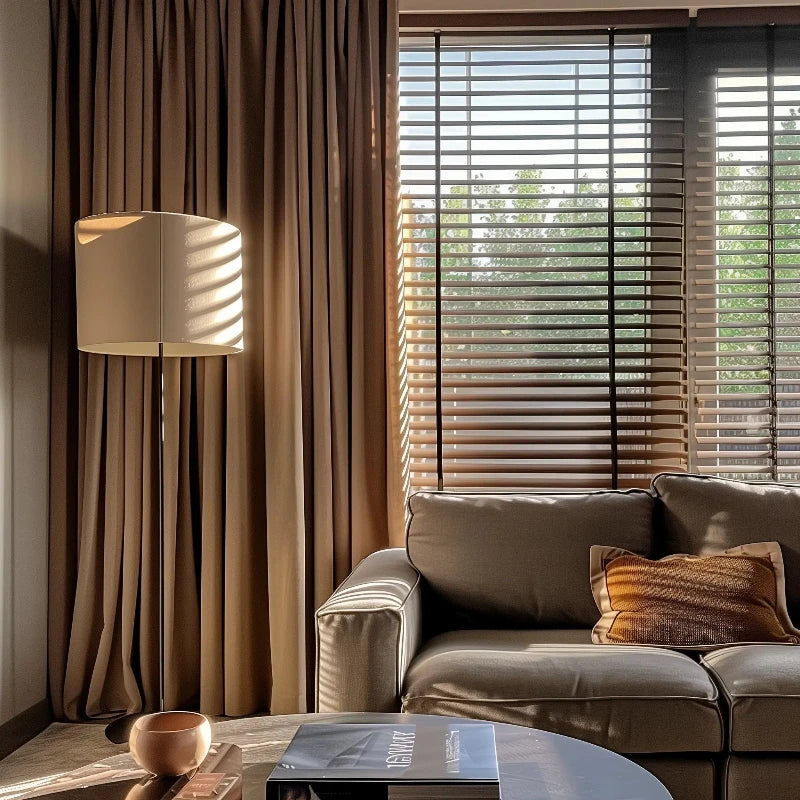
488, 613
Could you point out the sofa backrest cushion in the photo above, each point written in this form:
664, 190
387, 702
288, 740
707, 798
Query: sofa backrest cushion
699, 514
520, 560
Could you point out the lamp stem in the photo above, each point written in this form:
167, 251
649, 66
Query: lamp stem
161, 538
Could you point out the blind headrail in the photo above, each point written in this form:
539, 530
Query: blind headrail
516, 22
747, 16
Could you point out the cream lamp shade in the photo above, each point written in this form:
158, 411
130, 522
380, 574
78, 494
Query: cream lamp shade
148, 277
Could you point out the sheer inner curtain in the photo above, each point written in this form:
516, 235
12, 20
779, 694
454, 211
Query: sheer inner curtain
283, 465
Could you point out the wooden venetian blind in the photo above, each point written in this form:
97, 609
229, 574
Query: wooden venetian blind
745, 282
543, 238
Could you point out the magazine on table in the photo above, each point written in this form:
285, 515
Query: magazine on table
436, 760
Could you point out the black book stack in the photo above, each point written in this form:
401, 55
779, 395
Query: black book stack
422, 761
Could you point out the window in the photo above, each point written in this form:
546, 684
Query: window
746, 277
543, 240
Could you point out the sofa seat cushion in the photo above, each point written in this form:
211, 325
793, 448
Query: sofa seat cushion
761, 683
627, 698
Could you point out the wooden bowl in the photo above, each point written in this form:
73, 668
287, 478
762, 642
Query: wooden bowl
170, 742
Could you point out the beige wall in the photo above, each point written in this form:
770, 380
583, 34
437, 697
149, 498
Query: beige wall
24, 324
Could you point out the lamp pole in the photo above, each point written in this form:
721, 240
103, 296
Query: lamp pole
161, 537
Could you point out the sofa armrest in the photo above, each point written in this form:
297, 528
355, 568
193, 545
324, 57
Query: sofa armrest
367, 634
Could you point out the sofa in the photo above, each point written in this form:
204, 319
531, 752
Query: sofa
488, 612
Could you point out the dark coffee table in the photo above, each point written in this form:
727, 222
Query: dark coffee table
534, 764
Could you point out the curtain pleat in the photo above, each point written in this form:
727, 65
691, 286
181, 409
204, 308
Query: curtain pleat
281, 469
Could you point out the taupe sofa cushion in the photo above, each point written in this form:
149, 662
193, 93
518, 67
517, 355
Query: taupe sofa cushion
769, 777
520, 560
702, 515
762, 687
630, 699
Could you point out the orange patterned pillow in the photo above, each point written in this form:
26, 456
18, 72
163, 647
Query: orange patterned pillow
691, 602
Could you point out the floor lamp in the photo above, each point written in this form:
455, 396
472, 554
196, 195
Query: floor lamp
158, 285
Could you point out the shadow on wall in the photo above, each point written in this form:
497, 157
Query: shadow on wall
25, 198
24, 377
26, 290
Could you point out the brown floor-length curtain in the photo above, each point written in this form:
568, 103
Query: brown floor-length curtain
284, 465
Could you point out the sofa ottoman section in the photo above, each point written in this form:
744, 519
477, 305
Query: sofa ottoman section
761, 778
761, 684
629, 699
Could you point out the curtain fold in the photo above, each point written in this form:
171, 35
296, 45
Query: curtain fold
282, 469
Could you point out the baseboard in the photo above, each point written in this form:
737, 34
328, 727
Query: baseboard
24, 726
